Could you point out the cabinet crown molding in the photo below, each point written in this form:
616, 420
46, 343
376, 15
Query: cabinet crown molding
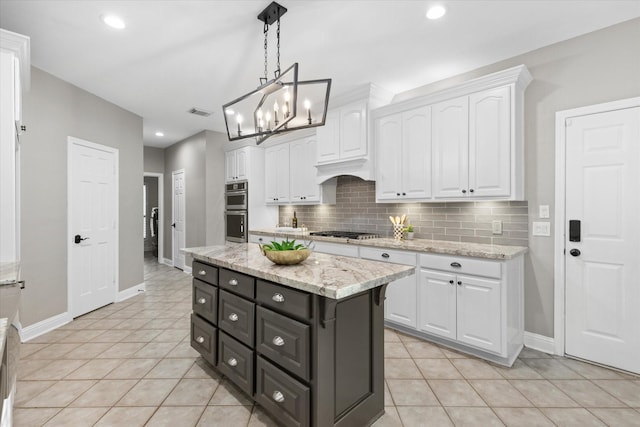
519, 75
374, 94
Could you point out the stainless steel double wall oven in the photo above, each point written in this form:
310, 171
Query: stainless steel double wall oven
236, 214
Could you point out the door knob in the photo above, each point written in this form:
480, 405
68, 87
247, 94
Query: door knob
78, 238
575, 252
173, 225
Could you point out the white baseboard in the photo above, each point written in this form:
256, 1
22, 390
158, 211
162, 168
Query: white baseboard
187, 269
32, 331
539, 342
130, 292
167, 261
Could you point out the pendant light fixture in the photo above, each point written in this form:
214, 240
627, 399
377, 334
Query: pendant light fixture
282, 104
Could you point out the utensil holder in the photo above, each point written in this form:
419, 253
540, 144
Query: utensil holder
398, 231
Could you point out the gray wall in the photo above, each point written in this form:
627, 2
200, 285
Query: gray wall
356, 210
598, 67
153, 159
215, 187
54, 110
152, 201
188, 154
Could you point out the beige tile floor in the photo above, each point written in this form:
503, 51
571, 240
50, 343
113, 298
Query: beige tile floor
130, 364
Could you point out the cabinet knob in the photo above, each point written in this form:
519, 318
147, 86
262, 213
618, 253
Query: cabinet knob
451, 281
464, 191
397, 194
232, 361
471, 190
456, 265
278, 341
233, 317
404, 194
233, 282
202, 300
278, 397
459, 283
385, 255
277, 297
202, 273
200, 339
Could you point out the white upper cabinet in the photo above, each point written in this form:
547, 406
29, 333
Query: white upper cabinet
403, 147
236, 164
344, 135
476, 146
329, 137
302, 171
277, 174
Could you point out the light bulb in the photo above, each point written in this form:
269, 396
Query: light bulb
436, 12
239, 119
287, 96
259, 114
307, 104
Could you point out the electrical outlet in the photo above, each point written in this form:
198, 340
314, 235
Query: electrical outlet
544, 211
541, 229
496, 227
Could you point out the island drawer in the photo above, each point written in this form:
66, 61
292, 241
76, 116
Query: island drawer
237, 317
205, 301
385, 255
236, 361
284, 341
282, 298
287, 399
205, 272
203, 338
237, 282
464, 265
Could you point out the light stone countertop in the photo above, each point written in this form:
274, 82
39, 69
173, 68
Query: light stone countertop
331, 276
4, 324
477, 250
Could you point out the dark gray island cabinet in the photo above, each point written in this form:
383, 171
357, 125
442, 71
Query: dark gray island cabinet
306, 342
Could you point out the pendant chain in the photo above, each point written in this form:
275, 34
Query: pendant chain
266, 33
278, 49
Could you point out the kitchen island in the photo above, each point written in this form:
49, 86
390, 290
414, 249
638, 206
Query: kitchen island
306, 341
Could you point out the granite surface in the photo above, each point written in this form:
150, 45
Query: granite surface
9, 271
4, 323
477, 250
331, 276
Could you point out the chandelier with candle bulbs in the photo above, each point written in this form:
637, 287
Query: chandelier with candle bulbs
282, 104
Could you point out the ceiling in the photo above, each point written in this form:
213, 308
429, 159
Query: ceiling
175, 55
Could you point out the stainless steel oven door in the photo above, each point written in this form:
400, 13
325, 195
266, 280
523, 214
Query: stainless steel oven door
235, 200
235, 225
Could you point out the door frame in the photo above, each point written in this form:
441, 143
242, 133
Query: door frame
160, 230
116, 201
173, 204
560, 211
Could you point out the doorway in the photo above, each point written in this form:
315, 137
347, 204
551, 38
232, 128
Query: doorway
598, 237
178, 223
92, 210
153, 216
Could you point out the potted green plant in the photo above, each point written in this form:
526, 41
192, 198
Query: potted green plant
408, 230
286, 252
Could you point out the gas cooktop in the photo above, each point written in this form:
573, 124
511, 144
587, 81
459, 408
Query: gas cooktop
345, 234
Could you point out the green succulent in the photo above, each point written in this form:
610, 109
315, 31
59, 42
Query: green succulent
283, 246
409, 228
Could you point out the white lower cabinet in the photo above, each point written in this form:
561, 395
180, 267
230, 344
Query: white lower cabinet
400, 304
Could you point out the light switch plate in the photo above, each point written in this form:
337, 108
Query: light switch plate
496, 227
544, 211
541, 228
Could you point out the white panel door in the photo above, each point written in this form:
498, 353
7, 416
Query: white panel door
389, 155
93, 226
242, 156
329, 138
603, 278
490, 143
353, 131
437, 302
302, 170
416, 153
479, 314
9, 163
400, 303
450, 139
179, 218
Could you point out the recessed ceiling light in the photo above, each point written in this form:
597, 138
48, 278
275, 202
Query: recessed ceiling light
436, 12
113, 21
159, 133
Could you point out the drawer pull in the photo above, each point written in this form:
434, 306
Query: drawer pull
233, 317
451, 281
233, 282
202, 273
277, 297
456, 265
232, 361
385, 255
202, 300
278, 341
459, 283
200, 339
278, 397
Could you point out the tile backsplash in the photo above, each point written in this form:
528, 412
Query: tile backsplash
356, 210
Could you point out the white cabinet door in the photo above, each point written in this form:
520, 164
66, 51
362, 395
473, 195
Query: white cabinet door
490, 143
242, 161
437, 298
450, 139
400, 303
479, 312
303, 172
271, 175
353, 130
389, 156
282, 173
329, 138
416, 153
230, 168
